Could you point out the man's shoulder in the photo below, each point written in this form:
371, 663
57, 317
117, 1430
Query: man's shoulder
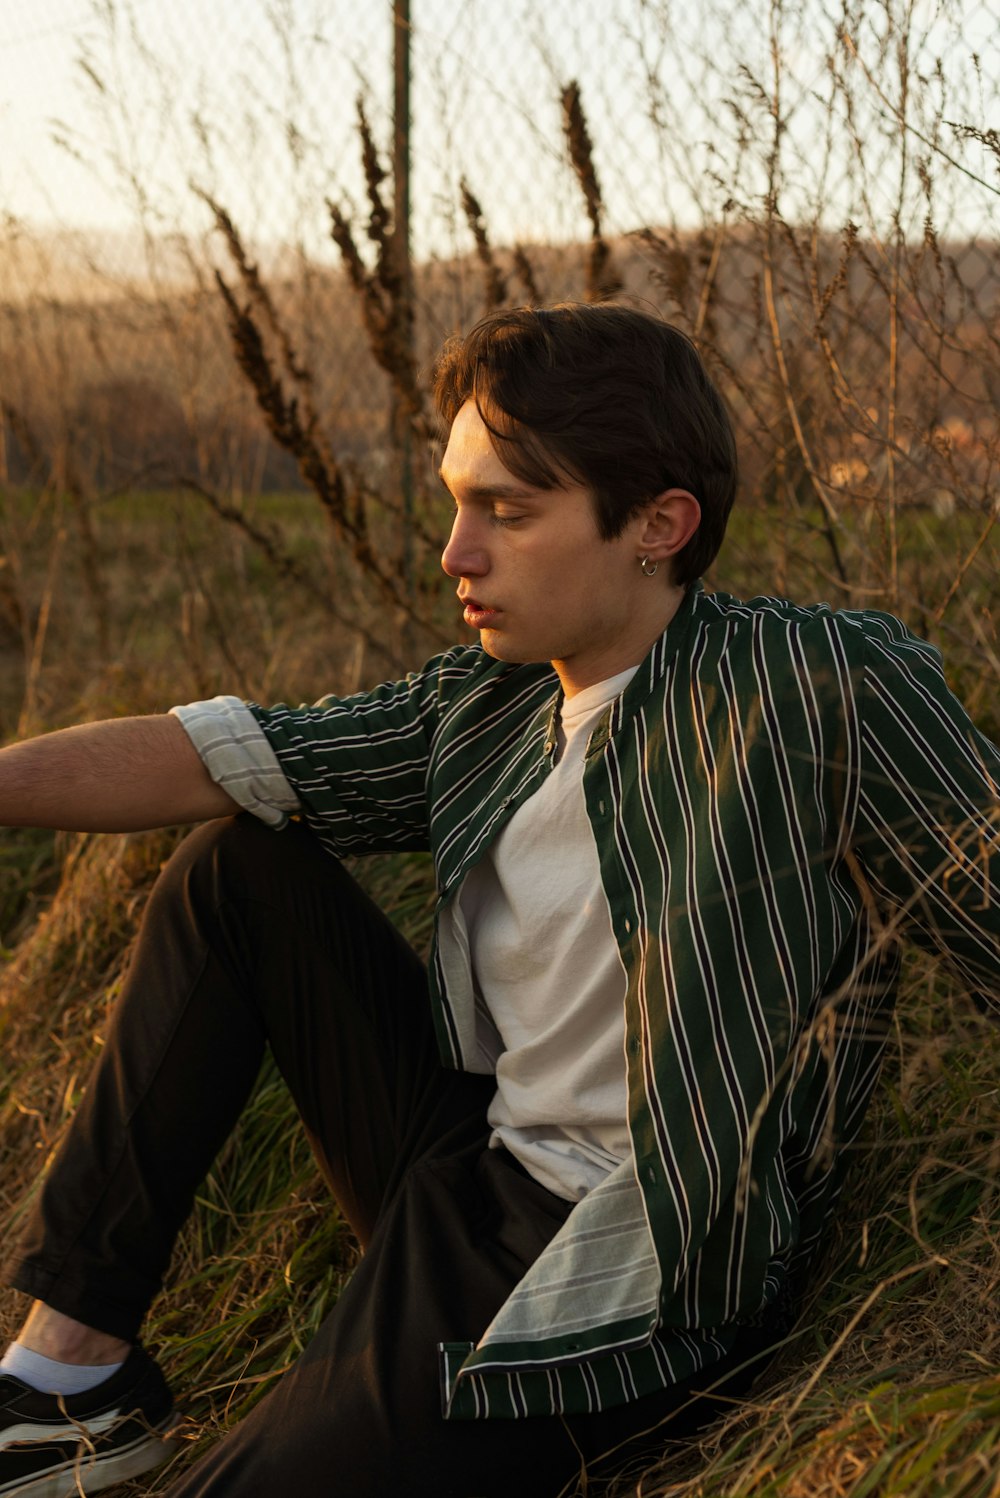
470, 686
816, 626
445, 677
766, 611
787, 651
467, 668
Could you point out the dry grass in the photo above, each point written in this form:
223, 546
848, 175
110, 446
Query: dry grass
888, 1386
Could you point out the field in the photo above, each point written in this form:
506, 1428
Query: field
889, 1383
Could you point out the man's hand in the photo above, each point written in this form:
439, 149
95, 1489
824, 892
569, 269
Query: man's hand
122, 775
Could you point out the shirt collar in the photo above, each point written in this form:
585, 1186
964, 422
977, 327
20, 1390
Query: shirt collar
650, 673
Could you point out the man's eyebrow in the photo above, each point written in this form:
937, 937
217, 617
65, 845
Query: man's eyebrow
489, 491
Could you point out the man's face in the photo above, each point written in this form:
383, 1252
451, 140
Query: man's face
535, 576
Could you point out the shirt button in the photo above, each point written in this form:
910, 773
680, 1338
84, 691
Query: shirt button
549, 746
601, 807
628, 924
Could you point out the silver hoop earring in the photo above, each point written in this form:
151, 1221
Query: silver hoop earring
648, 568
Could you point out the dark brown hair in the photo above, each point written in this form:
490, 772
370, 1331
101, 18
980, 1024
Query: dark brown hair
601, 395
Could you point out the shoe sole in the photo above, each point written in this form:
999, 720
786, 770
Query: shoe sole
86, 1475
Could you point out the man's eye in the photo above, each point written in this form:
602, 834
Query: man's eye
499, 517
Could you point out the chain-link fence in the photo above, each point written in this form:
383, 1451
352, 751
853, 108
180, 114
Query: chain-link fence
256, 103
812, 190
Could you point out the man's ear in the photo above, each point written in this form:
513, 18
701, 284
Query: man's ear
669, 522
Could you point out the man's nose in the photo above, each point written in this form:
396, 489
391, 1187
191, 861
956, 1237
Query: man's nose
464, 555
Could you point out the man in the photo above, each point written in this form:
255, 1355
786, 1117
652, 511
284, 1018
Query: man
591, 1152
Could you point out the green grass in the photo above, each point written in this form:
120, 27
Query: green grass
28, 876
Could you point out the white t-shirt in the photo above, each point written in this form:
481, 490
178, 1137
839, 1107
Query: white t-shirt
545, 962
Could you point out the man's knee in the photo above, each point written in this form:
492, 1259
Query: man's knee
235, 839
231, 857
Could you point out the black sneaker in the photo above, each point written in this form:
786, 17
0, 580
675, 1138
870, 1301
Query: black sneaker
59, 1446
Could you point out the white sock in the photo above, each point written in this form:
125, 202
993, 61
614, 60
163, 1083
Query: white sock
49, 1376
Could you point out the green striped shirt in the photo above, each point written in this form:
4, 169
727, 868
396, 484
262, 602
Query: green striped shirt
779, 794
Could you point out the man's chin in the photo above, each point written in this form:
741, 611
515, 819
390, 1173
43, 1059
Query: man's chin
502, 648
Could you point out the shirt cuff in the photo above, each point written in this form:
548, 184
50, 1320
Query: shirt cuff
237, 755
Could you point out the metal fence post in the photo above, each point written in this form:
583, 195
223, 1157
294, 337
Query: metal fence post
401, 427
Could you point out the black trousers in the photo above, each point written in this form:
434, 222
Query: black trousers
254, 938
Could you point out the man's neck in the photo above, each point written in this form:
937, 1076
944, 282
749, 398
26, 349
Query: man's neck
576, 674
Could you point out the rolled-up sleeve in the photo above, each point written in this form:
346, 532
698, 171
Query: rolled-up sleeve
237, 754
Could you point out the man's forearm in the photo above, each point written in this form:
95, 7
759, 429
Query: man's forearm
121, 775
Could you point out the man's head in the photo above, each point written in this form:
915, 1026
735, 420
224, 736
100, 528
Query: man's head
602, 396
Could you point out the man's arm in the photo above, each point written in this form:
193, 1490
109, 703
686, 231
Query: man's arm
121, 775
928, 825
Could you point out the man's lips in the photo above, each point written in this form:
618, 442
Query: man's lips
476, 613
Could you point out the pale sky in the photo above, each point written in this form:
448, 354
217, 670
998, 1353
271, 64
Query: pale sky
253, 100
